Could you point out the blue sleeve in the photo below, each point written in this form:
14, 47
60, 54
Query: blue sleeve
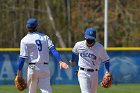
73, 57
55, 53
20, 63
107, 65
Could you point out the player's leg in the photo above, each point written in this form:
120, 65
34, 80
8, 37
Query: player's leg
94, 81
84, 81
44, 82
33, 86
44, 85
32, 80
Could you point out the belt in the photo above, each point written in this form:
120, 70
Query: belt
36, 63
90, 70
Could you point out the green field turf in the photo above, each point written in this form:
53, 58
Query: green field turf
124, 88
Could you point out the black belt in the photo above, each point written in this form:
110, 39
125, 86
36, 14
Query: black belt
36, 63
90, 70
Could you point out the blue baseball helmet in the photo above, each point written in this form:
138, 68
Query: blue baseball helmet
90, 33
32, 23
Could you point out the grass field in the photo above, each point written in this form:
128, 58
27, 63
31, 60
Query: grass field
124, 88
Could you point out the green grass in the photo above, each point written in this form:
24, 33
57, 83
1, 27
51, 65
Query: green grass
123, 88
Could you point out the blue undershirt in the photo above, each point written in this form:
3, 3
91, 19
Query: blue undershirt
55, 54
20, 63
73, 57
107, 65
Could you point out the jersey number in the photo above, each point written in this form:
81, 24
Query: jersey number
39, 44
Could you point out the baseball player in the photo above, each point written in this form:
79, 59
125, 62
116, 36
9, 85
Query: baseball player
34, 49
91, 54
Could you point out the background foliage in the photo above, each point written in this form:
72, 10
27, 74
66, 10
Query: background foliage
64, 21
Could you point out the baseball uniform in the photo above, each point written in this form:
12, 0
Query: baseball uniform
34, 49
89, 62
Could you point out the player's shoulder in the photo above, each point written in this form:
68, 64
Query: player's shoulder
34, 34
40, 33
80, 42
99, 45
24, 38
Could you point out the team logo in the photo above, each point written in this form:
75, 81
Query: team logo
89, 55
91, 33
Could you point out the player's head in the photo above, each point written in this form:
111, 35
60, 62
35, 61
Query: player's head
31, 24
90, 35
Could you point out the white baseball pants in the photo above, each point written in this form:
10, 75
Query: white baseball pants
88, 81
39, 75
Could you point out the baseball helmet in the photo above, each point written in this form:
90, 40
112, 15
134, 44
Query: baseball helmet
90, 33
32, 23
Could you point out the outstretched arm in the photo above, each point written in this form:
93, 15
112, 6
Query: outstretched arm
58, 58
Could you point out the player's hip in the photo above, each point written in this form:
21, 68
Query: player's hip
38, 67
83, 72
38, 72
